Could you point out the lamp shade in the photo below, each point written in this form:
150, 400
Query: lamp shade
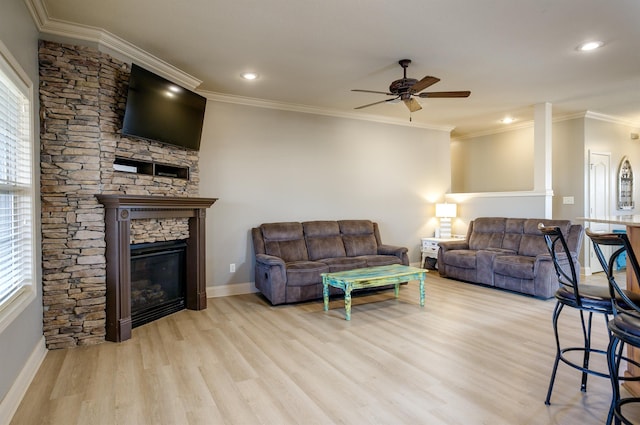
446, 210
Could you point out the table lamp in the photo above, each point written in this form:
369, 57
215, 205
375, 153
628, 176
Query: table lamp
445, 212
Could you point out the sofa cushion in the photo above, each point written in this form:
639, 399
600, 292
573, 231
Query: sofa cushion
325, 247
356, 227
356, 245
339, 264
285, 240
380, 260
484, 263
532, 242
323, 239
513, 230
517, 266
462, 258
318, 228
488, 232
301, 273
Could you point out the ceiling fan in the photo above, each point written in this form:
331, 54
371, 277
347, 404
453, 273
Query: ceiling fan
406, 88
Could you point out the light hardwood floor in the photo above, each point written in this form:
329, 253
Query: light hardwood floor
472, 355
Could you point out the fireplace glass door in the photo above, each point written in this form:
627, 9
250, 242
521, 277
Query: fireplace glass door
157, 280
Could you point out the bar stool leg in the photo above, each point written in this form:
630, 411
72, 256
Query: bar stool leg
614, 355
556, 314
586, 332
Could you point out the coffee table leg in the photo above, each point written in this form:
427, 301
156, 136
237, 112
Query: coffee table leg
325, 293
422, 290
396, 290
347, 302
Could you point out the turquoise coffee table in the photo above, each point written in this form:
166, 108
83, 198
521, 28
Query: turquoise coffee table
370, 277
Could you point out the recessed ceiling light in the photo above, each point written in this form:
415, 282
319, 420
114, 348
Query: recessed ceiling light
249, 75
507, 120
590, 45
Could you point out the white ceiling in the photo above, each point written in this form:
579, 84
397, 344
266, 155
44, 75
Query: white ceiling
511, 54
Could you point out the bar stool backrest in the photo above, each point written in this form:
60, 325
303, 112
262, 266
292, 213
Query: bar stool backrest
562, 260
622, 304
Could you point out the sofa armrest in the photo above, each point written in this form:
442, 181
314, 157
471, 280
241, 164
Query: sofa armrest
449, 246
269, 260
452, 245
271, 277
562, 260
399, 251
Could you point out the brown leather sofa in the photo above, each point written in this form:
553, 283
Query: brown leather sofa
290, 256
508, 253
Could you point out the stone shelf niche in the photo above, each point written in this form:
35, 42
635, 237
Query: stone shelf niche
119, 211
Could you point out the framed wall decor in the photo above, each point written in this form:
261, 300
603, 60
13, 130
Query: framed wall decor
625, 185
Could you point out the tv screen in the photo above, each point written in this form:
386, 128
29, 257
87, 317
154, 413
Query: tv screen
160, 110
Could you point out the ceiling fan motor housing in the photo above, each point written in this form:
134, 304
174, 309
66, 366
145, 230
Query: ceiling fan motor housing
402, 85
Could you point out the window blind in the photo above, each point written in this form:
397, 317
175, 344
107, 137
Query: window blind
16, 232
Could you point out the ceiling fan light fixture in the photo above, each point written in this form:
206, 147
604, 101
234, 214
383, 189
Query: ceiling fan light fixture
590, 46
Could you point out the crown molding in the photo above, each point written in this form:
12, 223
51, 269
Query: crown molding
460, 197
559, 118
496, 130
107, 42
611, 119
282, 106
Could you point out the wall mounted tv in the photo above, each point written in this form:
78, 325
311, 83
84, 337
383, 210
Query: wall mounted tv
160, 110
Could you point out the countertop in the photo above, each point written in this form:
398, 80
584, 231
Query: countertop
626, 220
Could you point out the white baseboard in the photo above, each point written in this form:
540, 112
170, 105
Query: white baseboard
12, 400
233, 289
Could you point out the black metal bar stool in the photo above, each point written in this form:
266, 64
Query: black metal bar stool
624, 328
587, 299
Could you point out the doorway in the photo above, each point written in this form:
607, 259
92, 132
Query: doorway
599, 195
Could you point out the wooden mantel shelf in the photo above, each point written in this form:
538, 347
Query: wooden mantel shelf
119, 211
165, 202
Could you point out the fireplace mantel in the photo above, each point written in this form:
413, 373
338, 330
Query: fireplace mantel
119, 211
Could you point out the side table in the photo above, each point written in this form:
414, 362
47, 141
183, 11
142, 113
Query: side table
430, 247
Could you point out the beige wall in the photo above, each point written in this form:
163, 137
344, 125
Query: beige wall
568, 168
500, 162
269, 165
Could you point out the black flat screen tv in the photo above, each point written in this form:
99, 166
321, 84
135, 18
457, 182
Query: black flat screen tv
159, 110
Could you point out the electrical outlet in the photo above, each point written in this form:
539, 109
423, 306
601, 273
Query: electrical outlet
567, 200
232, 268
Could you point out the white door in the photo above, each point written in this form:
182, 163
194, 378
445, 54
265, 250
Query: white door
599, 184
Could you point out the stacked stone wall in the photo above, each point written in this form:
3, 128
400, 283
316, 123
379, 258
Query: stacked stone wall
82, 99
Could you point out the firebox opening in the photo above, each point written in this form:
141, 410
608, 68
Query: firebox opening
158, 280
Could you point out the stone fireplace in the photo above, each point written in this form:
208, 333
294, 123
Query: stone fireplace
121, 210
82, 97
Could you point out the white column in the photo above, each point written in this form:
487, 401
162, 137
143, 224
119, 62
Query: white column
543, 163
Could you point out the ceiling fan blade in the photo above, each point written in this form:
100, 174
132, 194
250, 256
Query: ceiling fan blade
412, 104
375, 103
424, 83
445, 94
373, 91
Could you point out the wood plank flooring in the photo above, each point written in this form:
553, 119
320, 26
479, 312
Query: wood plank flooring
472, 355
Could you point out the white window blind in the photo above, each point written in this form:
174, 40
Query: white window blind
16, 203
